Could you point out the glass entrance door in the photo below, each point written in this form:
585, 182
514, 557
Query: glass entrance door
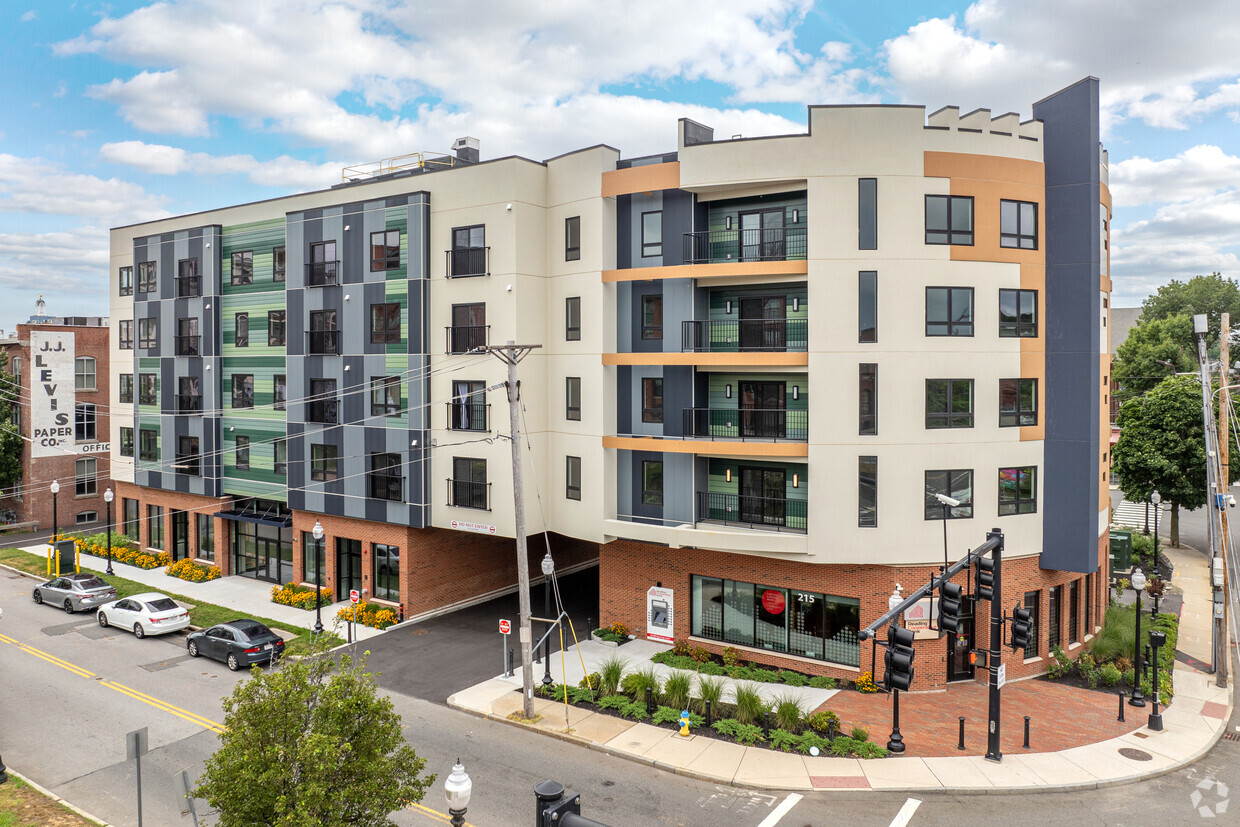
348, 567
762, 323
762, 496
762, 410
180, 535
762, 235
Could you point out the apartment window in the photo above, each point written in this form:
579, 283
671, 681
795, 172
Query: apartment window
83, 421
572, 238
385, 396
322, 401
469, 487
385, 323
387, 571
243, 267
949, 403
243, 390
279, 451
1018, 402
468, 256
652, 482
126, 441
1089, 604
321, 269
867, 400
469, 327
243, 453
84, 373
322, 338
867, 214
867, 492
385, 250
187, 337
957, 484
572, 398
148, 332
155, 526
124, 334
323, 466
189, 460
1033, 602
188, 283
1018, 224
84, 477
949, 311
652, 400
652, 233
949, 219
241, 328
276, 330
125, 279
572, 478
148, 445
129, 517
386, 483
277, 264
279, 395
1054, 605
1018, 490
1074, 607
148, 389
146, 277
467, 411
206, 536
1018, 313
572, 319
652, 317
867, 306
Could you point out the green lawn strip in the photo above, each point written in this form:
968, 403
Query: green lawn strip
202, 614
23, 806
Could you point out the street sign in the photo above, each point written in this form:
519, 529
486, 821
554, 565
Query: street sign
1002, 674
354, 595
478, 528
135, 743
505, 627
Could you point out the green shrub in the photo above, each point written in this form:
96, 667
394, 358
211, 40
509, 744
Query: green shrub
676, 689
812, 739
784, 741
711, 668
822, 682
820, 722
792, 678
869, 749
611, 670
613, 702
744, 734
700, 654
548, 690
580, 694
669, 715
709, 689
635, 684
675, 661
635, 710
1108, 675
749, 704
1117, 636
731, 656
1129, 675
789, 712
591, 681
860, 733
679, 647
843, 746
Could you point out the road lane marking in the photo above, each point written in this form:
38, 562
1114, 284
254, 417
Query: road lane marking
906, 813
52, 659
780, 811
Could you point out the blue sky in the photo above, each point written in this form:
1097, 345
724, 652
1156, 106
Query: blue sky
122, 112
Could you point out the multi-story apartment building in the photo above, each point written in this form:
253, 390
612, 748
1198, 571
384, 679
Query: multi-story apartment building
886, 307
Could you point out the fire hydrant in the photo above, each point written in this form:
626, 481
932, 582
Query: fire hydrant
684, 722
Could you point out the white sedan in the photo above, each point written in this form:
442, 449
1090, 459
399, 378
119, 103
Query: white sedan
146, 614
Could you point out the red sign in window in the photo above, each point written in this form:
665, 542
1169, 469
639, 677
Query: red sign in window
773, 601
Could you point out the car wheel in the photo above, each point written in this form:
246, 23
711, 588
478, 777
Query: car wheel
138, 631
193, 649
38, 596
233, 663
68, 605
103, 619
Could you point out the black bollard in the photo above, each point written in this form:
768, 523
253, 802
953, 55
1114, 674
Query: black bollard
766, 723
831, 730
708, 712
649, 700
510, 672
1121, 706
961, 744
1026, 732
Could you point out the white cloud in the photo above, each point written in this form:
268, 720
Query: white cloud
1200, 171
34, 185
29, 16
168, 160
70, 260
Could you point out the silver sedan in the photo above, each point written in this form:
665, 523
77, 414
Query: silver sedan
75, 592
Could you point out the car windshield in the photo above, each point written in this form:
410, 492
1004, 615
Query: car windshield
161, 605
92, 583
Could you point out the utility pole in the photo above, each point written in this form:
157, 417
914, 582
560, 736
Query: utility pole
510, 354
1224, 444
1215, 491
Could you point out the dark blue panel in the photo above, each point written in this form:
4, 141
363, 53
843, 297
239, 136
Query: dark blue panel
677, 395
677, 220
624, 399
624, 232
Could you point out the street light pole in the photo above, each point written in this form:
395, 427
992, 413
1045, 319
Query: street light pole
548, 570
457, 788
317, 533
55, 488
1138, 584
895, 743
108, 496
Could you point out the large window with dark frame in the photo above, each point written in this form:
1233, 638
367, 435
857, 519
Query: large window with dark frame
148, 332
1018, 313
867, 213
949, 403
572, 478
124, 334
468, 256
323, 463
385, 396
469, 487
652, 482
312, 558
867, 492
241, 329
1018, 490
867, 306
148, 445
780, 619
206, 536
1018, 224
276, 330
384, 250
957, 484
867, 399
148, 389
572, 238
387, 571
242, 453
949, 311
146, 277
1033, 602
1074, 607
279, 391
155, 526
83, 422
949, 219
652, 317
572, 398
1018, 402
125, 279
189, 458
126, 441
572, 319
85, 477
385, 323
322, 266
652, 399
385, 479
129, 517
279, 453
322, 404
323, 337
277, 263
1054, 607
243, 267
188, 283
243, 390
652, 233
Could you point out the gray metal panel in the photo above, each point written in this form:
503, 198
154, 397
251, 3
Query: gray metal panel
633, 394
624, 317
677, 308
677, 220
678, 491
624, 232
677, 395
624, 400
624, 483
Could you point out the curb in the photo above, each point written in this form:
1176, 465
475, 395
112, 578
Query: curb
57, 798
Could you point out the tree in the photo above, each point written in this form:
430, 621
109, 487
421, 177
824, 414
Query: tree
1212, 295
1138, 362
311, 742
1161, 448
10, 436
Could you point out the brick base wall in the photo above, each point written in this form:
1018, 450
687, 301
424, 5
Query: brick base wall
627, 569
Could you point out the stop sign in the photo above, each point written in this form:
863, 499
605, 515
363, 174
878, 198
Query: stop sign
354, 595
504, 627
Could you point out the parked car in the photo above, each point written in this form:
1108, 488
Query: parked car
74, 592
151, 613
237, 643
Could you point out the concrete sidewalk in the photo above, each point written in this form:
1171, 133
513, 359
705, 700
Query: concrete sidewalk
1191, 726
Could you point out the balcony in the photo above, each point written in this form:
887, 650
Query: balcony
753, 512
189, 286
761, 424
386, 487
469, 494
323, 411
189, 403
468, 262
322, 342
322, 273
188, 345
463, 339
767, 244
745, 335
468, 416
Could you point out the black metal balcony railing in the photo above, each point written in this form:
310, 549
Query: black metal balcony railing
468, 416
387, 487
463, 339
756, 512
322, 342
747, 423
189, 403
188, 345
323, 411
322, 273
732, 335
468, 494
466, 262
769, 244
188, 286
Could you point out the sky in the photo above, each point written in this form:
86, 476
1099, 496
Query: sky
121, 112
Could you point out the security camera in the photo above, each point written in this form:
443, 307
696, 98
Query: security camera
947, 501
1231, 500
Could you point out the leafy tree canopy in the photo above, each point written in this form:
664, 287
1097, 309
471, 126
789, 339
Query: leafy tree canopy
1138, 365
1212, 295
311, 742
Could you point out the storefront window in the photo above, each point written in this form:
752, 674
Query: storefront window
206, 536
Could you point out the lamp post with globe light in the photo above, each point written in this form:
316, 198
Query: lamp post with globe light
55, 489
548, 569
457, 789
317, 533
1138, 584
108, 496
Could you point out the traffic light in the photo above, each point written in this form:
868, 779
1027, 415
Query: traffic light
951, 598
899, 658
985, 578
1022, 627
